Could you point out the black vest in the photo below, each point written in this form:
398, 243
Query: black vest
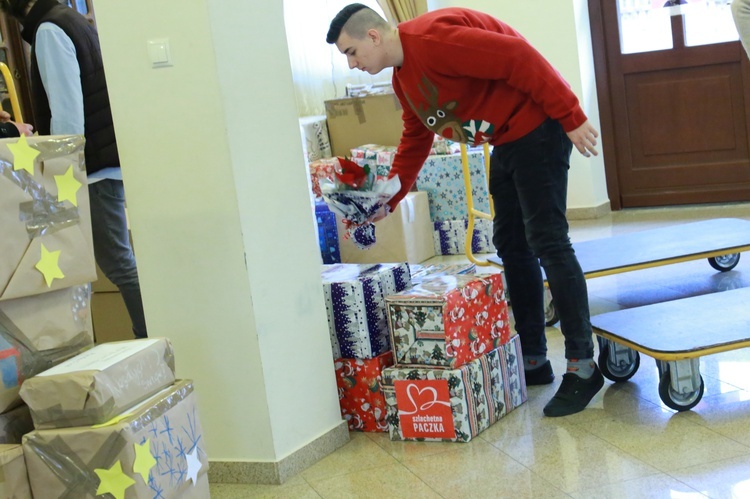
101, 146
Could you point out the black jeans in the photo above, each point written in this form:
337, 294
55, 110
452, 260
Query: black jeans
529, 186
112, 247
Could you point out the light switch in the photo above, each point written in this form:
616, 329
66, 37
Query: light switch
158, 52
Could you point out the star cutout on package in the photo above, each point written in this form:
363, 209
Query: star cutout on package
48, 266
67, 186
144, 461
113, 481
23, 155
193, 465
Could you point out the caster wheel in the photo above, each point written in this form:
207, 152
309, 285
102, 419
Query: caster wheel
724, 263
550, 314
617, 372
678, 401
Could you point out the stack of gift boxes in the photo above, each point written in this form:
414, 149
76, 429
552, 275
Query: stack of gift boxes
434, 361
47, 263
114, 421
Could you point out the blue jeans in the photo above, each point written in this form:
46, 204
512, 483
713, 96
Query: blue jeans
529, 186
112, 247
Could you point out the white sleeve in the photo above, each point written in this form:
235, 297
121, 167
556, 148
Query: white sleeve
61, 77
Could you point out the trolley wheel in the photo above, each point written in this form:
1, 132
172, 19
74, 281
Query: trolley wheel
617, 373
678, 401
550, 314
724, 263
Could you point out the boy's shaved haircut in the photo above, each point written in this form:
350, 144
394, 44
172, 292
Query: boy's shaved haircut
355, 19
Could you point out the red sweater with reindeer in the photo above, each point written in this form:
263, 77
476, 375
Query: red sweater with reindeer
471, 78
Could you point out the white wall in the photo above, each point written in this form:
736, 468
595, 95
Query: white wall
559, 29
221, 218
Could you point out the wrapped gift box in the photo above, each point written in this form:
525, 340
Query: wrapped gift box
419, 272
449, 237
152, 450
328, 234
442, 178
44, 216
38, 332
320, 169
453, 405
315, 141
403, 236
97, 385
448, 320
375, 156
362, 402
14, 424
14, 481
355, 302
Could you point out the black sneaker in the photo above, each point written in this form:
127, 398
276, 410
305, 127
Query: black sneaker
574, 394
542, 375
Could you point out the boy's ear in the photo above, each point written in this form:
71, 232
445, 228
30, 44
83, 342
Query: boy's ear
374, 35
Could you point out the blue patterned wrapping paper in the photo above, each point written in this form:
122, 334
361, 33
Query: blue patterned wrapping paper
355, 303
449, 237
442, 178
328, 236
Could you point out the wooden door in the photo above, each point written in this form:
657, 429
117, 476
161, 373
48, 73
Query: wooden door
674, 93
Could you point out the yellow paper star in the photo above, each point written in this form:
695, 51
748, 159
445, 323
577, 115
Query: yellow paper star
48, 266
67, 187
23, 155
113, 481
144, 461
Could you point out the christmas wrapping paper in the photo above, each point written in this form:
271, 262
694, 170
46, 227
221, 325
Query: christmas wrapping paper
448, 320
328, 235
14, 482
38, 332
320, 169
355, 302
451, 405
361, 399
154, 450
45, 220
97, 385
315, 140
14, 424
515, 385
449, 237
379, 157
419, 272
442, 178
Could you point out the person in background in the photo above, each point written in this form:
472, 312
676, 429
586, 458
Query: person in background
69, 94
471, 78
11, 128
741, 14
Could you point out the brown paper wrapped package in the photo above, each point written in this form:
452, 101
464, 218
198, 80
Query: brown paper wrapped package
34, 213
14, 483
153, 450
99, 384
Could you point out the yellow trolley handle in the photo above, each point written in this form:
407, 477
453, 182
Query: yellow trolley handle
8, 77
473, 212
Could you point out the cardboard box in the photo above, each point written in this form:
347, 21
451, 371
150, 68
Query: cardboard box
355, 303
454, 405
153, 449
406, 235
45, 218
361, 399
110, 318
97, 385
448, 320
14, 482
353, 121
38, 332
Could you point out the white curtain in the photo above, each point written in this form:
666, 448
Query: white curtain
319, 70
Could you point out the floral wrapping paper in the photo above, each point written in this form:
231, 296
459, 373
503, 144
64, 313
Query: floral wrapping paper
361, 399
355, 303
481, 392
448, 320
450, 237
328, 234
442, 178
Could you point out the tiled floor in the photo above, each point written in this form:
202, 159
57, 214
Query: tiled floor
626, 444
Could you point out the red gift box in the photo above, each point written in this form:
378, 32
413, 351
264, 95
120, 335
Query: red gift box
360, 396
322, 168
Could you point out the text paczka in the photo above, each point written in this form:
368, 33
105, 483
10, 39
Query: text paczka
424, 408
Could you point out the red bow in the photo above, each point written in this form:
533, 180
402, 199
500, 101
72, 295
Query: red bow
351, 173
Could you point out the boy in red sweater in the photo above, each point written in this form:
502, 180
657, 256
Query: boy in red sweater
473, 79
